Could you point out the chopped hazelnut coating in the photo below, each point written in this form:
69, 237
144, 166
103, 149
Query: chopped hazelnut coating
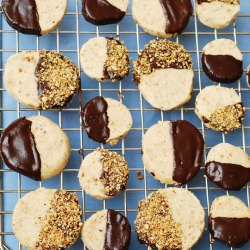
225, 1
62, 225
115, 172
161, 54
58, 79
155, 225
117, 62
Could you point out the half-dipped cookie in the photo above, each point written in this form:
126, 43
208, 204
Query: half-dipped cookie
229, 221
101, 12
36, 17
164, 74
47, 219
222, 61
106, 120
41, 79
228, 166
164, 18
170, 218
172, 151
248, 75
220, 108
35, 147
106, 230
217, 14
103, 174
105, 59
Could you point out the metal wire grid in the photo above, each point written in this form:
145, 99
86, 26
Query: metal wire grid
143, 110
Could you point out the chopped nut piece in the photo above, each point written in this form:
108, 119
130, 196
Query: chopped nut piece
139, 175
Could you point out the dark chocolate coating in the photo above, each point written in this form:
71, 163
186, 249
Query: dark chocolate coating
18, 149
22, 15
177, 14
118, 231
222, 68
188, 146
232, 231
101, 12
95, 119
226, 175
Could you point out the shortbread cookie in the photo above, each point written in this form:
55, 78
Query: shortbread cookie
35, 147
164, 18
217, 14
172, 151
228, 166
37, 17
220, 108
229, 221
106, 120
222, 61
103, 174
101, 12
105, 59
170, 218
106, 230
248, 75
41, 79
164, 75
47, 219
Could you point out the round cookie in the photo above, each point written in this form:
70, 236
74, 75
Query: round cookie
106, 120
105, 59
103, 174
35, 147
229, 221
36, 17
217, 14
172, 151
47, 219
248, 75
222, 61
41, 79
220, 108
170, 218
102, 12
228, 166
172, 16
164, 75
106, 229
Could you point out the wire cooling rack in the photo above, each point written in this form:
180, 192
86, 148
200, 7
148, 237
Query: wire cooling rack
68, 39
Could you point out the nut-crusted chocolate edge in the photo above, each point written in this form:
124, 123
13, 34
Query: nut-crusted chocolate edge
233, 2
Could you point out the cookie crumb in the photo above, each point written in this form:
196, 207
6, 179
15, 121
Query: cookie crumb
139, 175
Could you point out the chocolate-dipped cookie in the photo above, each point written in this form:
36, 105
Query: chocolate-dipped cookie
228, 166
103, 174
35, 147
105, 59
229, 221
220, 108
222, 61
164, 18
172, 151
106, 230
164, 74
41, 79
248, 75
36, 17
47, 219
102, 12
217, 14
170, 218
106, 120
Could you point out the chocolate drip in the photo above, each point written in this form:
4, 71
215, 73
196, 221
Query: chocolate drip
231, 231
188, 146
177, 14
227, 176
22, 15
222, 68
18, 149
118, 231
101, 12
95, 119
